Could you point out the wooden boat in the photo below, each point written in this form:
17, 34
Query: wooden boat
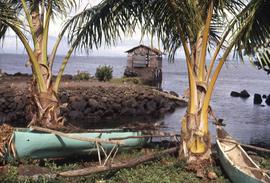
237, 164
28, 143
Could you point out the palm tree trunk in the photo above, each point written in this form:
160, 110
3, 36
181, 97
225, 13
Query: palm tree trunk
196, 141
45, 104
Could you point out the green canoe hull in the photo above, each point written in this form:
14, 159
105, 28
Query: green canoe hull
36, 145
234, 159
235, 175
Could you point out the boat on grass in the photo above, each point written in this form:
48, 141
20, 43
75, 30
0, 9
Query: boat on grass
28, 143
237, 164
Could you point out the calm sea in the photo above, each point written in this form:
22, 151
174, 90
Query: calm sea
246, 122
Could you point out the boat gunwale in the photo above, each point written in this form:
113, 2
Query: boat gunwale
243, 170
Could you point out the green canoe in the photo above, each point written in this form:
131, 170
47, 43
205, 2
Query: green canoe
237, 164
26, 143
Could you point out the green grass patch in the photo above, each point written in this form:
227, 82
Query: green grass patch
167, 169
128, 80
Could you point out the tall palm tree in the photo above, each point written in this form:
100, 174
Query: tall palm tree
214, 26
33, 18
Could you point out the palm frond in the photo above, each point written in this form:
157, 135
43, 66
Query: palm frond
255, 39
105, 23
8, 12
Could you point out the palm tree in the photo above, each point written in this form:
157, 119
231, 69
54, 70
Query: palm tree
216, 26
33, 18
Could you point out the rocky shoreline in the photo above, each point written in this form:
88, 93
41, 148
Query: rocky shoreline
87, 100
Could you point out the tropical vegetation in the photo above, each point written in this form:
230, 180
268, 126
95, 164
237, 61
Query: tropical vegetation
200, 27
104, 73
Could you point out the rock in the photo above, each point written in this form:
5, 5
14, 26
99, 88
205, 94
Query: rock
267, 101
235, 94
212, 175
76, 114
151, 105
257, 99
64, 98
108, 113
78, 105
162, 111
116, 107
174, 93
181, 103
264, 96
130, 73
130, 103
244, 94
67, 77
199, 173
104, 99
93, 103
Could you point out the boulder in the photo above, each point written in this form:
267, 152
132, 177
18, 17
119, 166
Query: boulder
235, 94
75, 115
244, 94
64, 98
151, 105
267, 101
93, 103
212, 175
264, 96
78, 105
174, 93
257, 99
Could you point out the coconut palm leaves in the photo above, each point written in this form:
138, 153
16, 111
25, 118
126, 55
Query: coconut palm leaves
255, 39
193, 24
104, 23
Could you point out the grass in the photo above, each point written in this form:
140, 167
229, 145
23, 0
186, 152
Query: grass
128, 80
167, 169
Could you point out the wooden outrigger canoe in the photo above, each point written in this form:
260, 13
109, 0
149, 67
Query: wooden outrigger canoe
237, 164
28, 143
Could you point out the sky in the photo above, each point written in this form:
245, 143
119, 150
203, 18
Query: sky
12, 43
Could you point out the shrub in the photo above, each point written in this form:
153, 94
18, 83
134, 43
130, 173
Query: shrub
82, 76
104, 73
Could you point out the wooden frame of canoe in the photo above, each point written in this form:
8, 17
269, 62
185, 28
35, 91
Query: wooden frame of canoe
38, 143
239, 167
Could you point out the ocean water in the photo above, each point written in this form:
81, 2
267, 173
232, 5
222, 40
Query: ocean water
245, 121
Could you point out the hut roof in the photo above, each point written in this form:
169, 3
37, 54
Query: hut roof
155, 50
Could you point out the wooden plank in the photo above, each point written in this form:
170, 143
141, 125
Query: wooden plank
143, 136
76, 137
116, 166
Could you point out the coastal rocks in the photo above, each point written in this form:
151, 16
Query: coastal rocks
242, 94
113, 101
174, 93
267, 101
235, 94
257, 98
100, 101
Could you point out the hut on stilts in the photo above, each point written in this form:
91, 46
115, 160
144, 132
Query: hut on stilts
146, 63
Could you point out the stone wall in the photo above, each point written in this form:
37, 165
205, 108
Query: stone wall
94, 102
